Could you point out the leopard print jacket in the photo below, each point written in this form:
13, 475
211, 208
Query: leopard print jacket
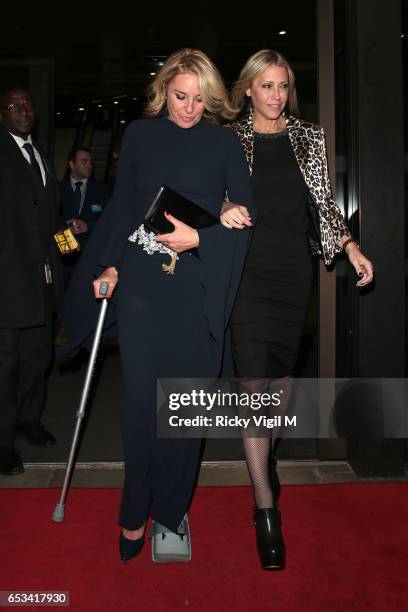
309, 146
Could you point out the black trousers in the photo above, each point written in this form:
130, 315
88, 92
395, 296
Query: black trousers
25, 356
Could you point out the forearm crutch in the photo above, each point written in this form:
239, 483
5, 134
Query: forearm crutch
58, 515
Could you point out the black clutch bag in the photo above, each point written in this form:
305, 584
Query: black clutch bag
180, 207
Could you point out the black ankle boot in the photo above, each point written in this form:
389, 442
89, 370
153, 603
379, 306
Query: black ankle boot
130, 548
274, 481
269, 539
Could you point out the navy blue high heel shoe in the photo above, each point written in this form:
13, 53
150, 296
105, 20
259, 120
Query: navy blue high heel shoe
130, 548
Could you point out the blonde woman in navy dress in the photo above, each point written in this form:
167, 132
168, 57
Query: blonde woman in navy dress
170, 325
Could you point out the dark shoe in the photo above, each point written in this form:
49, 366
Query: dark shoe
10, 462
274, 482
130, 548
269, 539
35, 433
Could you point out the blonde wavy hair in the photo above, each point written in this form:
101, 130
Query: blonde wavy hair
213, 92
253, 68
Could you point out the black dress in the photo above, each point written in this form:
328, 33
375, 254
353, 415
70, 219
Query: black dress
170, 326
275, 290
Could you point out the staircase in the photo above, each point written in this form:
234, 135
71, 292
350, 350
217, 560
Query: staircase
100, 147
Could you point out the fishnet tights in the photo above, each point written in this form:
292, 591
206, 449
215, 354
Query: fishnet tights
257, 452
260, 451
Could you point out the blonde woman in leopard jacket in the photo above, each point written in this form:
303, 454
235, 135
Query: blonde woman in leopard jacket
297, 217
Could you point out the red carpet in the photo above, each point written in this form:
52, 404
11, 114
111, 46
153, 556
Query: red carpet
347, 550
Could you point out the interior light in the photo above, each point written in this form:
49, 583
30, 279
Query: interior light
282, 33
152, 74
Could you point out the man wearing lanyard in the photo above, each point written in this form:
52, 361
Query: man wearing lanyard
31, 279
83, 200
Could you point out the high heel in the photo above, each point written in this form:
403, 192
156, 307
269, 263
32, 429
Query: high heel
269, 539
130, 548
274, 481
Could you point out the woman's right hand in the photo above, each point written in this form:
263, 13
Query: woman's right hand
234, 215
110, 276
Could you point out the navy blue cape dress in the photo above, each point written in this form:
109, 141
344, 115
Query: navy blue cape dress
169, 326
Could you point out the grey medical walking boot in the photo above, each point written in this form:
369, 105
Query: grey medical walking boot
171, 546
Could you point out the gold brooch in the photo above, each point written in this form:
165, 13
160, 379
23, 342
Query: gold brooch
170, 267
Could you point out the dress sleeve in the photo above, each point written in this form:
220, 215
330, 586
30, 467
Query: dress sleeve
222, 251
105, 248
237, 188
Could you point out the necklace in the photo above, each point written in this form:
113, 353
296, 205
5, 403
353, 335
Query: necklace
281, 121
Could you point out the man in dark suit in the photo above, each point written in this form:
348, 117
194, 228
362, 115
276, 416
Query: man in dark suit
83, 200
31, 279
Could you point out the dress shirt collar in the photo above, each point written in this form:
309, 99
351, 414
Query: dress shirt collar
84, 182
20, 141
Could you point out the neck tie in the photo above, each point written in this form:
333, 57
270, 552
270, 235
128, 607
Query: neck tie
34, 163
78, 196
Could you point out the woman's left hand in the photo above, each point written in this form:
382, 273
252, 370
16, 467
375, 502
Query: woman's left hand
182, 239
361, 264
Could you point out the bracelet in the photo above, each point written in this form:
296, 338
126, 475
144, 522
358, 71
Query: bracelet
347, 242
